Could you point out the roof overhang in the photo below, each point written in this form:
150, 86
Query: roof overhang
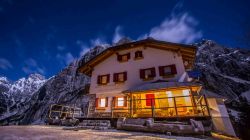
163, 86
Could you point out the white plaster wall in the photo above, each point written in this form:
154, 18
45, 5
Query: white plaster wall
152, 58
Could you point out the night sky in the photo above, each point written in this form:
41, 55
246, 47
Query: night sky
43, 36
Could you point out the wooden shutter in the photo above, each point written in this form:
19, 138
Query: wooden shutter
142, 73
96, 102
115, 77
153, 72
136, 54
119, 57
98, 79
113, 102
128, 55
150, 97
125, 101
161, 70
173, 69
108, 78
140, 54
125, 76
106, 101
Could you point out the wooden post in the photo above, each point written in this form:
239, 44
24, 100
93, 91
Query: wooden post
208, 111
176, 112
194, 105
152, 108
112, 104
130, 106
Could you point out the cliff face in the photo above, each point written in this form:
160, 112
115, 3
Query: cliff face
225, 71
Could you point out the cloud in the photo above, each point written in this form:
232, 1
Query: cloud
118, 34
69, 58
31, 66
60, 47
66, 58
98, 41
5, 64
178, 28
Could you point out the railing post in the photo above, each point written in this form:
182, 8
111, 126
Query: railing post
130, 107
195, 105
176, 112
152, 107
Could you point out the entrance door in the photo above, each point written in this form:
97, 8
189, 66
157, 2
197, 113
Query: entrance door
150, 100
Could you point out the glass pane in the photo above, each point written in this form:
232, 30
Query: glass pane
167, 70
120, 77
147, 72
104, 79
102, 102
120, 101
124, 58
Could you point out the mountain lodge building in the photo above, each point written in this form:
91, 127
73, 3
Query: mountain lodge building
149, 79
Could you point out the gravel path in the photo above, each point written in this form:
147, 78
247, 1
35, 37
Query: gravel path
39, 132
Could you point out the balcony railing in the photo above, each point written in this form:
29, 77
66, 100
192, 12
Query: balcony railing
180, 106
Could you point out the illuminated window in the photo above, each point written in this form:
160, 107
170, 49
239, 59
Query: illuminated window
138, 54
120, 101
123, 58
102, 102
120, 77
147, 73
103, 79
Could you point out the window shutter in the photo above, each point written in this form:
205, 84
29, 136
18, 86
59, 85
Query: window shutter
128, 55
119, 57
173, 69
98, 79
115, 77
161, 71
106, 101
96, 102
140, 54
136, 54
125, 76
108, 78
153, 72
142, 73
114, 101
125, 101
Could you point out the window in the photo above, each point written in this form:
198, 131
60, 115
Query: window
167, 70
120, 101
123, 58
103, 79
138, 55
147, 73
120, 77
101, 102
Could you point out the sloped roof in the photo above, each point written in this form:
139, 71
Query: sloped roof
160, 86
187, 51
210, 94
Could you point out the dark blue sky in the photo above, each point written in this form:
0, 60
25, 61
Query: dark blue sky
43, 36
